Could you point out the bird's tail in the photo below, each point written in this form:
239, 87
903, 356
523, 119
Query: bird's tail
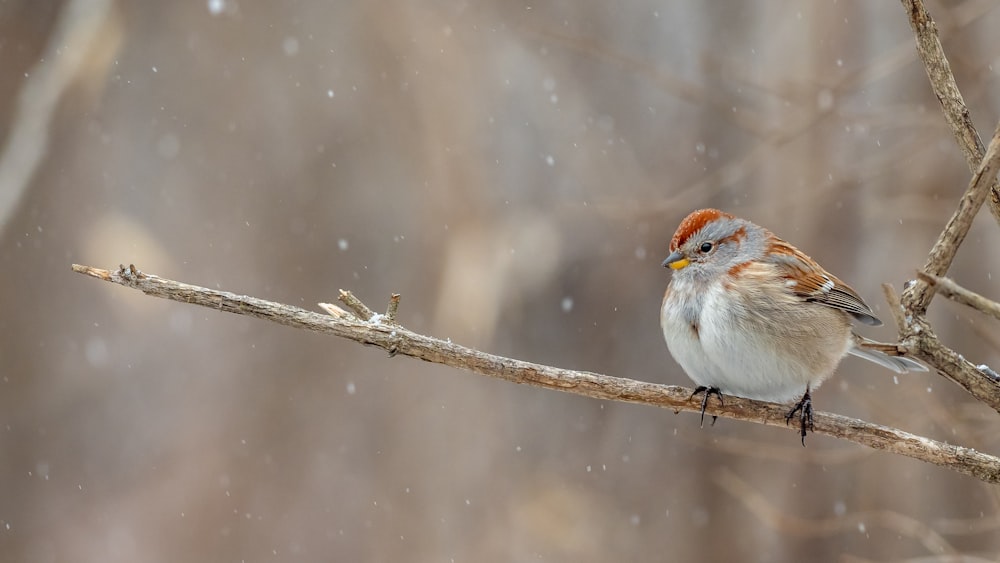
885, 355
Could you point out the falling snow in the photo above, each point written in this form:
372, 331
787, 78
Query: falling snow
567, 304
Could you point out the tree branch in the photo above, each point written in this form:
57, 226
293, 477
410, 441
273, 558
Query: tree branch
918, 296
398, 340
916, 335
946, 89
951, 290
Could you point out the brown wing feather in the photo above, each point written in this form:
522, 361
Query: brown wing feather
810, 282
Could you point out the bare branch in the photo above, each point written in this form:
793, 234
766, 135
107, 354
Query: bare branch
392, 309
946, 89
917, 296
895, 307
398, 340
355, 304
948, 288
916, 337
925, 345
334, 310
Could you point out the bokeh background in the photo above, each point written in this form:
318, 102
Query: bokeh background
515, 171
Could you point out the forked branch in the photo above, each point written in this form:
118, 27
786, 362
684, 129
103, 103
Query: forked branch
915, 334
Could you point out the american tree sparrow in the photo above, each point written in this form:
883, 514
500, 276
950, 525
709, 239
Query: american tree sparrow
748, 314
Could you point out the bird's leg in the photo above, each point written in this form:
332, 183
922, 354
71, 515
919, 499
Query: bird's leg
805, 409
708, 391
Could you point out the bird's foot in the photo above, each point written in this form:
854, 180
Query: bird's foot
805, 409
708, 391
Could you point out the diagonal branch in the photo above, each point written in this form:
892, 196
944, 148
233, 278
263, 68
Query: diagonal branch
916, 335
918, 340
946, 89
398, 340
918, 296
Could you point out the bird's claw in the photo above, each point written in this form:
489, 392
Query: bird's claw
805, 409
708, 391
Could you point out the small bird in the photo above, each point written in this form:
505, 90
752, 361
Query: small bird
750, 315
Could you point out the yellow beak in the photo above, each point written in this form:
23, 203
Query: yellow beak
676, 261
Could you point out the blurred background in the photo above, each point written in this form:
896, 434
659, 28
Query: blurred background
515, 171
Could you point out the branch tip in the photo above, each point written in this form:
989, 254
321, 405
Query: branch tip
355, 305
895, 307
945, 87
335, 311
392, 309
951, 290
98, 273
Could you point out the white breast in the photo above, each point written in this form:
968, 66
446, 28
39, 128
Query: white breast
729, 345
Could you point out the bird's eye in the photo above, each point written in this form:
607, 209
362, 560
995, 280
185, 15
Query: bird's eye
706, 247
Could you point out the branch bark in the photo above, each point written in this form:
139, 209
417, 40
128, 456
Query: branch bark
916, 336
956, 113
948, 288
918, 296
399, 341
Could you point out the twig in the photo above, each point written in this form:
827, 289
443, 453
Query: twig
920, 342
915, 332
334, 310
895, 307
916, 297
946, 89
951, 290
916, 336
355, 304
395, 338
392, 309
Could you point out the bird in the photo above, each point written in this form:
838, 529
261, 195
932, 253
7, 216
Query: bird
749, 315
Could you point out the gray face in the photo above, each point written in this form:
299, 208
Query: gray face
719, 246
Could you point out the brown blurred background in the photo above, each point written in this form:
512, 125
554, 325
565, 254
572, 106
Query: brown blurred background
515, 170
